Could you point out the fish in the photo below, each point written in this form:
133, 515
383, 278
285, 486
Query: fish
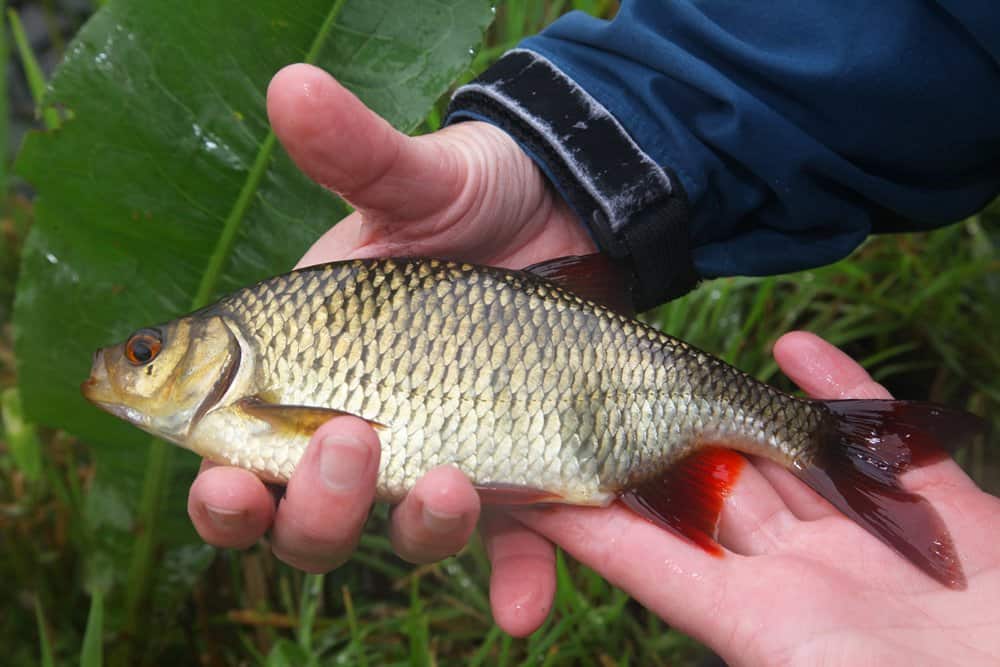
539, 384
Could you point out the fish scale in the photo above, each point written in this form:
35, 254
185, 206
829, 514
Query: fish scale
536, 393
425, 334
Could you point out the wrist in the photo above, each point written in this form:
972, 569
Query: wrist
633, 209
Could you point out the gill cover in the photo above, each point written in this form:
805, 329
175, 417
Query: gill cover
163, 379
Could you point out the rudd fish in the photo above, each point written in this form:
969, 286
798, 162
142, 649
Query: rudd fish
527, 383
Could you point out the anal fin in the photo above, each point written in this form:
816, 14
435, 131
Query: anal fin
687, 498
298, 419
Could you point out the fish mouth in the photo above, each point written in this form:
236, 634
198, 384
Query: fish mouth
95, 388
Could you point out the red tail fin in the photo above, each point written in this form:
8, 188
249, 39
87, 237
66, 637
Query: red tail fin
868, 443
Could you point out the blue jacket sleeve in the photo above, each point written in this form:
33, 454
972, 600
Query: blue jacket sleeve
795, 129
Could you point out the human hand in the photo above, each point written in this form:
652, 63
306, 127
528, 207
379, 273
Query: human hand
467, 192
799, 583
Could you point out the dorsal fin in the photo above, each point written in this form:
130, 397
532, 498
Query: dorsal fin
595, 277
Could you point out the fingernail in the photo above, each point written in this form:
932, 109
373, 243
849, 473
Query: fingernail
343, 462
441, 523
223, 517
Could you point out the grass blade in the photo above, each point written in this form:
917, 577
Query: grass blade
44, 641
352, 626
154, 490
416, 627
483, 652
32, 70
92, 653
312, 593
4, 111
22, 441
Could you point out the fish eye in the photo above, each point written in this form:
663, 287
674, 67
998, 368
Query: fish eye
143, 346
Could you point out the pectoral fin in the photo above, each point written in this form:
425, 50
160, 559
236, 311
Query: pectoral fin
514, 494
294, 419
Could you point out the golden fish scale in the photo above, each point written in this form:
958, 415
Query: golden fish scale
514, 380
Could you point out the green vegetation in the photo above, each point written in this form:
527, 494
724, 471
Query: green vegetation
100, 563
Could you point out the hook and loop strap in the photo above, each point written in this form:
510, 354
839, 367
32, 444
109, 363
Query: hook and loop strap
635, 210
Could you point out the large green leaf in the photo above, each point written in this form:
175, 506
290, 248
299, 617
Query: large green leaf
165, 187
169, 143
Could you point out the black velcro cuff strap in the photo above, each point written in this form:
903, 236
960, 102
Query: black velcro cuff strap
635, 210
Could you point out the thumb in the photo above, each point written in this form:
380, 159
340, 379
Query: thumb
345, 146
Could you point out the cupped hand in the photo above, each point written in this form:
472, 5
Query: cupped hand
799, 583
466, 192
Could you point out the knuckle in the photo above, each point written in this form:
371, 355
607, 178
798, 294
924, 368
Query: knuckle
309, 563
314, 557
319, 534
313, 544
321, 539
419, 547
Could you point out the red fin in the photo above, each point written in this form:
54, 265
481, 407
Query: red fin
513, 494
688, 498
865, 447
595, 277
913, 432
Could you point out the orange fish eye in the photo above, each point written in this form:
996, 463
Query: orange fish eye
143, 346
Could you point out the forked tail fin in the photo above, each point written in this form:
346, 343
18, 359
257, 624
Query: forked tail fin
864, 448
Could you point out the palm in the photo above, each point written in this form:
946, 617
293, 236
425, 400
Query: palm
510, 235
802, 584
828, 593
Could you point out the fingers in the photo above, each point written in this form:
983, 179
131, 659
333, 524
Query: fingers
671, 577
803, 502
436, 518
342, 144
523, 578
754, 519
320, 518
327, 501
823, 371
229, 507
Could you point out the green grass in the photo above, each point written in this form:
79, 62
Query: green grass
918, 307
920, 311
32, 70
